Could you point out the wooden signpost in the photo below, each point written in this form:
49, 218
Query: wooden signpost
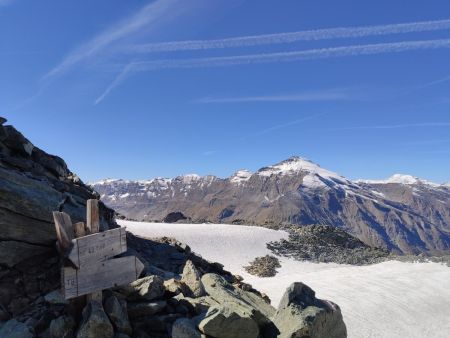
98, 247
93, 267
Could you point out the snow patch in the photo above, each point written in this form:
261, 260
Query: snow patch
315, 175
400, 179
240, 176
391, 299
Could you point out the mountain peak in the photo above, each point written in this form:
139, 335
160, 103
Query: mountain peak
241, 176
294, 165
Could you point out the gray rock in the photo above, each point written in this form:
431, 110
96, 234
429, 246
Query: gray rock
148, 288
197, 305
2, 120
14, 252
301, 314
95, 322
192, 279
185, 328
55, 297
121, 335
174, 286
224, 322
62, 327
143, 309
14, 329
227, 295
117, 313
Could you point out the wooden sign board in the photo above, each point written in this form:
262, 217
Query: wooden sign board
90, 249
103, 275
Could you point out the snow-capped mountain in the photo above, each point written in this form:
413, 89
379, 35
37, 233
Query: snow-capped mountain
401, 179
402, 213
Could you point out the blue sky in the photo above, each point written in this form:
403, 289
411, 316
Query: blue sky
138, 89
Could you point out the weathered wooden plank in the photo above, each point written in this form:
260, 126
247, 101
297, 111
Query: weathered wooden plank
93, 226
79, 229
78, 303
104, 275
64, 230
93, 217
98, 247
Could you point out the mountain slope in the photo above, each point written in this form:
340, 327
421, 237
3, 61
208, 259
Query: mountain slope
400, 214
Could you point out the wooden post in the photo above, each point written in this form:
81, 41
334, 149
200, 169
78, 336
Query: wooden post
93, 226
93, 217
64, 231
78, 303
79, 229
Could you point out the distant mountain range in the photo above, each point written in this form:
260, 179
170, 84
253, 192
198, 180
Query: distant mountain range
403, 213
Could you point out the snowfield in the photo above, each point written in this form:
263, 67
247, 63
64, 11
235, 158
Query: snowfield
391, 299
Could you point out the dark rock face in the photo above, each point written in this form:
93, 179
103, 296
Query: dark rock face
403, 218
173, 217
32, 185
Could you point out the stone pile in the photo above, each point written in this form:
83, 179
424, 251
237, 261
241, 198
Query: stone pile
326, 244
265, 266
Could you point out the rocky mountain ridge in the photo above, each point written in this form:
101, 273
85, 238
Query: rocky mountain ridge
403, 214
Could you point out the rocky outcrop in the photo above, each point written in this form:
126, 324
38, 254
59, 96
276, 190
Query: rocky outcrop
225, 322
95, 322
325, 244
265, 266
173, 217
191, 279
403, 218
301, 314
32, 185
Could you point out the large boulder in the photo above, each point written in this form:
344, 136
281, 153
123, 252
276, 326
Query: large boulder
185, 328
239, 300
229, 322
95, 322
147, 288
14, 329
192, 280
117, 312
62, 327
144, 309
301, 314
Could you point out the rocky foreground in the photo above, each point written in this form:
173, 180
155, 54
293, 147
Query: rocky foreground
179, 294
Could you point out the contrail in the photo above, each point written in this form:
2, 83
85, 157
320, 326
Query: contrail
400, 126
310, 54
310, 35
149, 14
324, 95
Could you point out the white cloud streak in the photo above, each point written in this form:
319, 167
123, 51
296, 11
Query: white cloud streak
311, 54
147, 15
399, 126
290, 37
324, 95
